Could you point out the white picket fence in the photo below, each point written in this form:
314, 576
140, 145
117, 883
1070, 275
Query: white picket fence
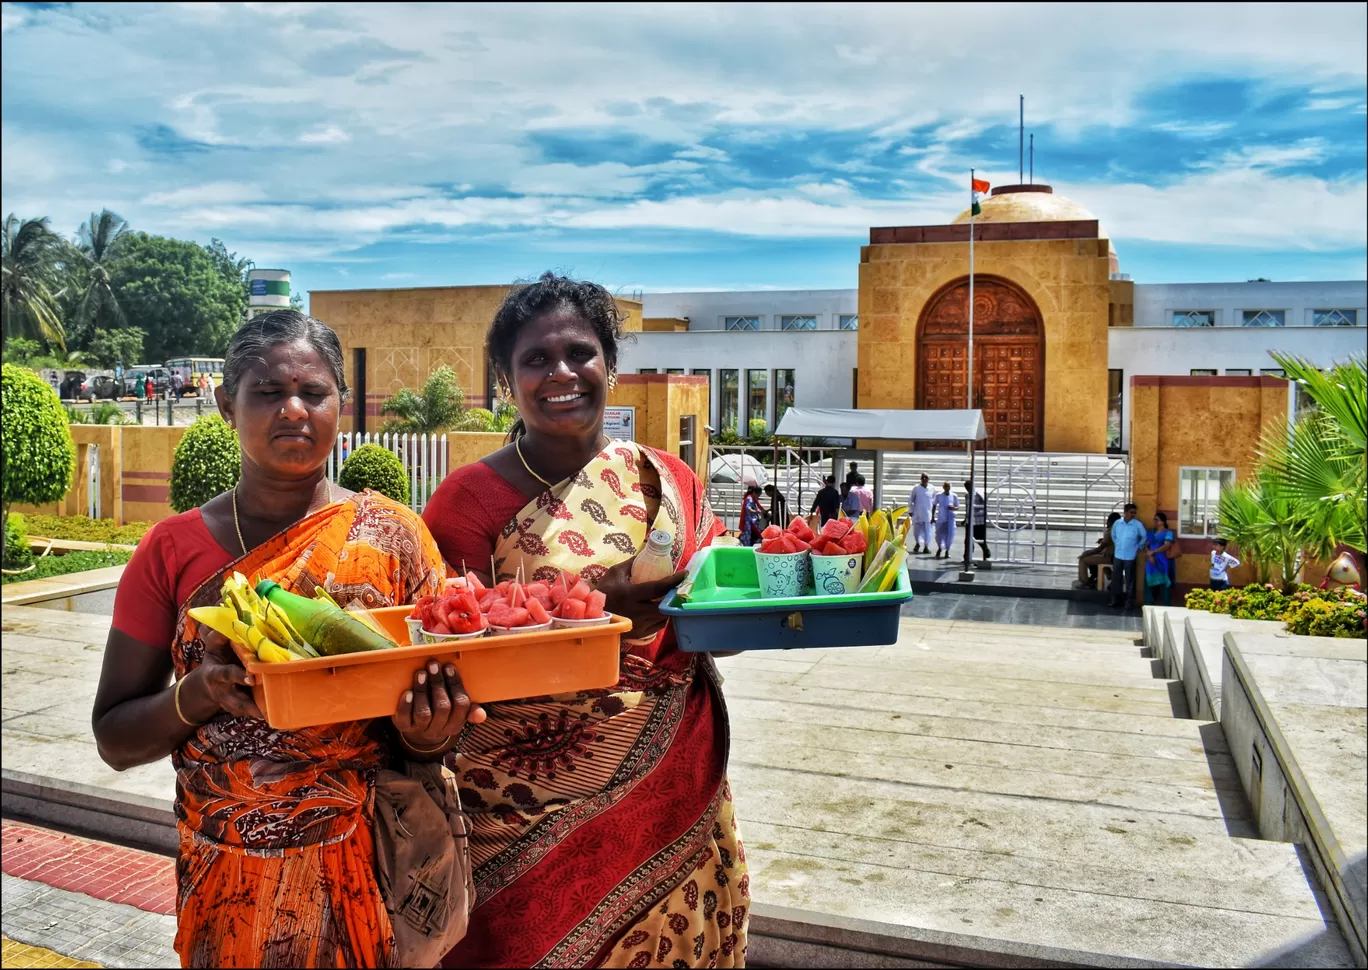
424, 457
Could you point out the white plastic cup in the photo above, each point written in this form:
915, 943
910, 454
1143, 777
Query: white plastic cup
539, 628
415, 628
836, 575
431, 638
561, 623
783, 574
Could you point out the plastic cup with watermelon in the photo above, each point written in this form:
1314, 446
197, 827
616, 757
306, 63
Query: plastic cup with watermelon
451, 615
578, 606
782, 563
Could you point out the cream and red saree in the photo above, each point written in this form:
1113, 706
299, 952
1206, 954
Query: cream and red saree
603, 826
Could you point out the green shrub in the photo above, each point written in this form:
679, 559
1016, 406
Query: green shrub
207, 462
18, 555
40, 457
85, 529
374, 467
1336, 617
71, 562
1306, 611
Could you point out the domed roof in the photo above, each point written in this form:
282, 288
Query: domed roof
1032, 203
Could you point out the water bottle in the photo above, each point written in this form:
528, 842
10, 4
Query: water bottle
653, 563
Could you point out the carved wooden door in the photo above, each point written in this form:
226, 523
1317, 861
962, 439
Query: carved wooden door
1008, 359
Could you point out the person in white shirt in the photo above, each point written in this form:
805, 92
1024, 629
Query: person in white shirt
1220, 562
976, 519
919, 507
943, 508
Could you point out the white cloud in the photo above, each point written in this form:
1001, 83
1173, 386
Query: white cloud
211, 193
331, 135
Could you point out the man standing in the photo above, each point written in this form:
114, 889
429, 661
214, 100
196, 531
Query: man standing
177, 384
865, 494
778, 510
853, 474
976, 518
1128, 537
850, 501
943, 508
919, 507
828, 500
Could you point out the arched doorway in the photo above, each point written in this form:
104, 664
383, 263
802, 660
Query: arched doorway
1009, 358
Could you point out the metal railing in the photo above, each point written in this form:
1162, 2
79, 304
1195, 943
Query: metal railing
424, 457
796, 472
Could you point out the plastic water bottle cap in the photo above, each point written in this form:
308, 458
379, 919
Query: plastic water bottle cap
660, 540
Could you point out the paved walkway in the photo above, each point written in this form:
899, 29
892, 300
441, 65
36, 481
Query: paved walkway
976, 793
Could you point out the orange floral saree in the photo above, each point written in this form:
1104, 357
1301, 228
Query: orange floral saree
276, 865
603, 832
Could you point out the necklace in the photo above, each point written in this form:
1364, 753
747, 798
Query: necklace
238, 525
517, 446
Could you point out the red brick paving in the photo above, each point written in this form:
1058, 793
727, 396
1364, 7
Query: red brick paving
98, 869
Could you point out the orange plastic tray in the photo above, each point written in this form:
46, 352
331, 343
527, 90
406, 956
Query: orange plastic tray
356, 686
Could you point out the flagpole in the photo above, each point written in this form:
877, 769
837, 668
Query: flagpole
971, 290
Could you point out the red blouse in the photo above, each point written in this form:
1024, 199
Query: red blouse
467, 514
175, 557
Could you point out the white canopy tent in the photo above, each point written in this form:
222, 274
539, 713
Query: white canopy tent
894, 425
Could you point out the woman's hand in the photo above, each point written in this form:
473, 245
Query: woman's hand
219, 684
436, 709
639, 602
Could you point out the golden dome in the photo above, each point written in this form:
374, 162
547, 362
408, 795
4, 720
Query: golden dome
1032, 203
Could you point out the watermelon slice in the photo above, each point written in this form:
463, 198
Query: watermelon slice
517, 596
854, 542
580, 591
801, 529
772, 546
837, 528
500, 615
440, 628
474, 583
771, 532
792, 543
574, 609
537, 612
559, 592
594, 605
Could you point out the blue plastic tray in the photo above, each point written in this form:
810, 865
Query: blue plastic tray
741, 620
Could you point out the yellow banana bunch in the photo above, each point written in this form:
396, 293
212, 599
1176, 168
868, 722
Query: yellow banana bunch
254, 622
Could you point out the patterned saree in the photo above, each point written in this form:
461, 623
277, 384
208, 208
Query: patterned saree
276, 865
603, 826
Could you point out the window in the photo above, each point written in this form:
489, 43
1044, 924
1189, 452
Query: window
1334, 318
1238, 372
1203, 372
674, 370
1274, 372
729, 401
798, 323
1115, 383
1199, 495
648, 370
741, 323
849, 321
1264, 318
757, 412
1194, 318
705, 372
783, 393
686, 439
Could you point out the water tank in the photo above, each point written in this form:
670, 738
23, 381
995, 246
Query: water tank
269, 289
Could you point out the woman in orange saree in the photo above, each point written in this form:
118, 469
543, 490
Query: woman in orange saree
276, 865
603, 828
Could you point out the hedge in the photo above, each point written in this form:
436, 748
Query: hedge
374, 467
207, 462
85, 529
71, 562
18, 554
40, 457
1307, 611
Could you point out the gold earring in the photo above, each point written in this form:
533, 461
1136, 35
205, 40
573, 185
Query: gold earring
612, 382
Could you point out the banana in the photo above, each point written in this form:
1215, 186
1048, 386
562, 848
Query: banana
217, 618
273, 654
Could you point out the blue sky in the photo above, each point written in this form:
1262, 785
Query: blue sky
662, 146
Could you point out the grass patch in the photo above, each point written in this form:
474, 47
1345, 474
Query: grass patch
71, 562
85, 529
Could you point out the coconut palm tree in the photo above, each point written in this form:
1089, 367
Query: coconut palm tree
1272, 533
31, 257
99, 308
1321, 462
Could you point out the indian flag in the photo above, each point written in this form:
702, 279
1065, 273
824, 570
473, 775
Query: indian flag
976, 187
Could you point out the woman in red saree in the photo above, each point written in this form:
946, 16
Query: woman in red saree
276, 865
603, 830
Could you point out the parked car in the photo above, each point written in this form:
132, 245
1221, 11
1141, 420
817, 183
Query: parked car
103, 386
72, 387
137, 378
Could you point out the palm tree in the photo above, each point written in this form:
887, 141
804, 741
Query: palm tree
1273, 533
99, 306
440, 404
31, 259
1321, 462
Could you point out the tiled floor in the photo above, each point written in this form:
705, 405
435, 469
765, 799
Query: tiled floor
85, 928
16, 954
109, 872
1022, 610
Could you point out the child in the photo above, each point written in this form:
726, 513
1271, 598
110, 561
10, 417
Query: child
1220, 562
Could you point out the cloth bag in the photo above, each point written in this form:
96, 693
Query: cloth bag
422, 858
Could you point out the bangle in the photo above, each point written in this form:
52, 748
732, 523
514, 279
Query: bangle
417, 750
179, 713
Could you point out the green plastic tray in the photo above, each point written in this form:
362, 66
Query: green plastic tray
727, 578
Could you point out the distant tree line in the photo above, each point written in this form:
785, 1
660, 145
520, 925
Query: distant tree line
111, 294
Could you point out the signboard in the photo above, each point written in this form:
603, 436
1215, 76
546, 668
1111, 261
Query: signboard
258, 287
620, 423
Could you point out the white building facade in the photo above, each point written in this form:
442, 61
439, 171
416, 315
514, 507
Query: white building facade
766, 350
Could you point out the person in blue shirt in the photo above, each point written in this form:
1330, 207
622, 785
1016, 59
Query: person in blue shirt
850, 501
1159, 545
1128, 537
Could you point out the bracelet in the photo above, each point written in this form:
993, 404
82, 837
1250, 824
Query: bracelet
179, 713
417, 750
